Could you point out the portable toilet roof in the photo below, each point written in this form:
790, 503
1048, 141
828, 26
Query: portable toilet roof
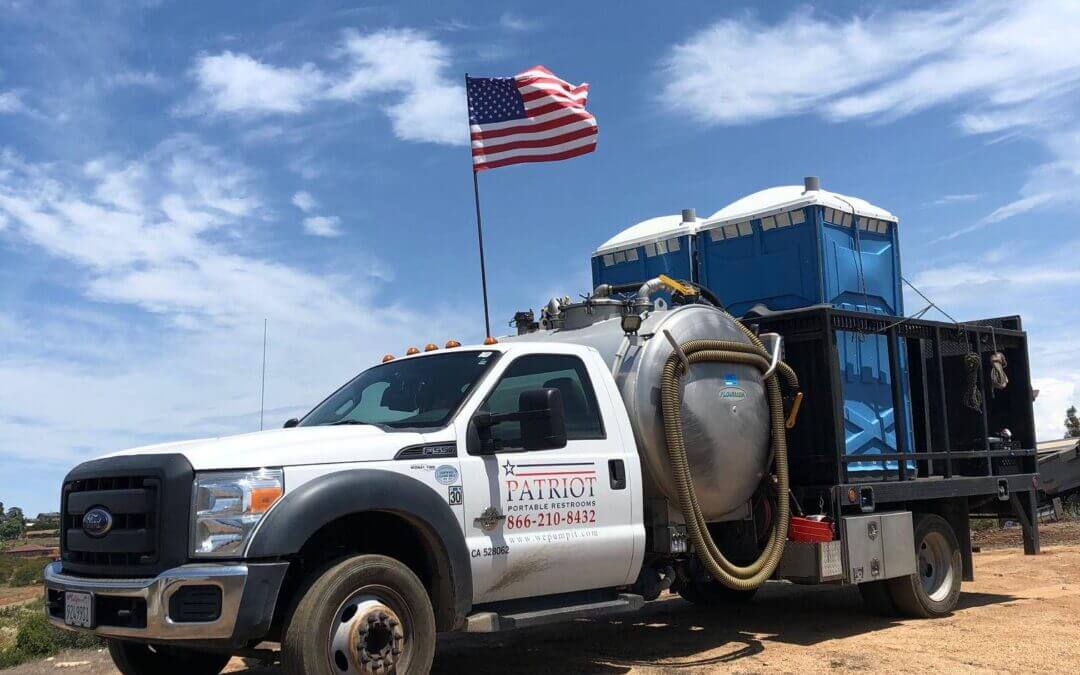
774, 200
648, 231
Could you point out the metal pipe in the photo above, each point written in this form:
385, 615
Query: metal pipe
649, 287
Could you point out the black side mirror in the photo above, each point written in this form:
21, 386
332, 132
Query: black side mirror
289, 424
543, 419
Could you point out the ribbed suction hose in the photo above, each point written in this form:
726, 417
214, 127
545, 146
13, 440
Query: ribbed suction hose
725, 351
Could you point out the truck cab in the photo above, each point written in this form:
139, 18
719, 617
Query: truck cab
422, 496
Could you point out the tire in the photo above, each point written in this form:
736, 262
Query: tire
710, 593
878, 598
364, 614
934, 589
138, 658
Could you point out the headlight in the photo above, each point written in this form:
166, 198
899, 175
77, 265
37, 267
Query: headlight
228, 506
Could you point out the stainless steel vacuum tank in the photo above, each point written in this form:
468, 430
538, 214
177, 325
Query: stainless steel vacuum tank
724, 410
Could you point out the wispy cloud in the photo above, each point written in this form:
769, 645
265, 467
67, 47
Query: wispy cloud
10, 102
323, 226
1006, 66
136, 78
171, 305
515, 22
961, 198
401, 71
303, 201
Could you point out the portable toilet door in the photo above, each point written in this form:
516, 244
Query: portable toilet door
796, 246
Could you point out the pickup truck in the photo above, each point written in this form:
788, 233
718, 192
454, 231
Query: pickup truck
471, 488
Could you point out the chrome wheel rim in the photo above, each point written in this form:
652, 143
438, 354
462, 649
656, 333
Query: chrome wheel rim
370, 633
936, 573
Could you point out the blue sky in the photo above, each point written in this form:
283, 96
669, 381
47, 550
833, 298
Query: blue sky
172, 173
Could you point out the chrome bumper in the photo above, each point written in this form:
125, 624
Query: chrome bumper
231, 579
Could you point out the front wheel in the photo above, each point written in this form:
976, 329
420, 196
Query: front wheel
137, 658
365, 614
934, 589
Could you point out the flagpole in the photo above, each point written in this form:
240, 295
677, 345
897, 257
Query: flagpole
479, 229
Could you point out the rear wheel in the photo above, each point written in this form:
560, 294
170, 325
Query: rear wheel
934, 589
137, 658
366, 614
708, 592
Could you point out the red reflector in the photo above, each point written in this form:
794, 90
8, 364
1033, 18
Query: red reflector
808, 530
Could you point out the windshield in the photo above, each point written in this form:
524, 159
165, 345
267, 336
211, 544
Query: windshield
421, 392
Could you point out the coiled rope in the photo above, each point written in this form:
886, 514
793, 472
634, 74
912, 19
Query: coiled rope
725, 351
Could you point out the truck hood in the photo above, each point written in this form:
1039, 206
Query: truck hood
287, 447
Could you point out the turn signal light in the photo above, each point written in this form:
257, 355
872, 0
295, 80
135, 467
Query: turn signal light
411, 350
490, 340
450, 344
388, 358
430, 347
262, 498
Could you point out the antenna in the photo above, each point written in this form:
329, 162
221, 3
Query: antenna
262, 392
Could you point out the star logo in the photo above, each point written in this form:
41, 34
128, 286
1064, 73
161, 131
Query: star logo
508, 468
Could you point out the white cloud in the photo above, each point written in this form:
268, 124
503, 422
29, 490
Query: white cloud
303, 201
404, 72
166, 341
237, 83
10, 102
414, 66
1007, 67
323, 226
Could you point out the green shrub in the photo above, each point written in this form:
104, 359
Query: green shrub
27, 573
35, 637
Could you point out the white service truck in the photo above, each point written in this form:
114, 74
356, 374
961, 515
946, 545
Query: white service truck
620, 448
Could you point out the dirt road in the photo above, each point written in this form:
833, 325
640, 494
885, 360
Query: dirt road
1021, 615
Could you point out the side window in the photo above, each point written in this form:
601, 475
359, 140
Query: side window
545, 371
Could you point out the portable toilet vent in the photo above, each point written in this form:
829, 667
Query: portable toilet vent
662, 245
798, 245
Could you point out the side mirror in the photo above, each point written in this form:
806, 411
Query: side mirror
543, 419
289, 424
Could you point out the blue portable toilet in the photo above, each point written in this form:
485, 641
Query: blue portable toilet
661, 245
795, 246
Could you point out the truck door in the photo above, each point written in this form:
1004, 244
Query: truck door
550, 521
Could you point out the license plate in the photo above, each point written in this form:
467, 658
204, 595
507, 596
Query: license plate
79, 609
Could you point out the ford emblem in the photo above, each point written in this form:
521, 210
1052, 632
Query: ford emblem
97, 522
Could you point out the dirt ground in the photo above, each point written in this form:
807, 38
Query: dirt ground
1020, 615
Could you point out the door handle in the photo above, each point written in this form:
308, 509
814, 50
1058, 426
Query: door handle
617, 474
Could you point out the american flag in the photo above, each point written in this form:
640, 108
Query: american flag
531, 117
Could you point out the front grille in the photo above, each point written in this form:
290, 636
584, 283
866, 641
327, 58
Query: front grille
148, 498
133, 503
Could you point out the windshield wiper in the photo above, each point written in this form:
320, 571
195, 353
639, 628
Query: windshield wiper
339, 422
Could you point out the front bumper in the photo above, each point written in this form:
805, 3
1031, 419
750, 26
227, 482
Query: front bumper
248, 596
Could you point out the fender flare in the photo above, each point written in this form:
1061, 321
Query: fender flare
304, 511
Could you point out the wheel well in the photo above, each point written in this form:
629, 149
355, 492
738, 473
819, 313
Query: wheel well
396, 536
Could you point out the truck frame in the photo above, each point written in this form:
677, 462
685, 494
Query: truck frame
352, 541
